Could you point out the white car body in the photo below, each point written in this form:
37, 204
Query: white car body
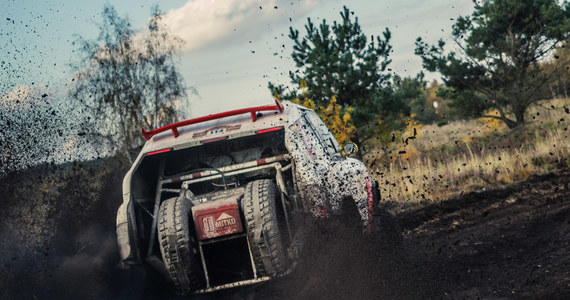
322, 178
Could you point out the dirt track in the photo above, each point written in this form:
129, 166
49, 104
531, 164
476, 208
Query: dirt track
510, 242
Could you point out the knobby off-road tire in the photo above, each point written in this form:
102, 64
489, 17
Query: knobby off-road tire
263, 230
177, 245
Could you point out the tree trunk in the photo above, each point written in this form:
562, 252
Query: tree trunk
510, 123
552, 91
519, 115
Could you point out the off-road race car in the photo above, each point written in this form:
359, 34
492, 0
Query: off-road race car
215, 202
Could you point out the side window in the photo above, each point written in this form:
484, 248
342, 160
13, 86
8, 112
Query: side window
305, 136
326, 139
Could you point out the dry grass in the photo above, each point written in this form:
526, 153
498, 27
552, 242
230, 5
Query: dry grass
465, 156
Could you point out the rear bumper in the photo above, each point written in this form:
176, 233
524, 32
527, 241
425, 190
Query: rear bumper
253, 278
233, 285
245, 282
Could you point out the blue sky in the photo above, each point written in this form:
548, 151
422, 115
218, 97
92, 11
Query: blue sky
233, 47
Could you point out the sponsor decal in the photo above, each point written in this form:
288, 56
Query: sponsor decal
225, 220
208, 224
217, 129
215, 221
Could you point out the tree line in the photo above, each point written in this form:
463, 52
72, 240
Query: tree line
505, 56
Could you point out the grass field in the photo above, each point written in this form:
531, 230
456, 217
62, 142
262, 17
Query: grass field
465, 156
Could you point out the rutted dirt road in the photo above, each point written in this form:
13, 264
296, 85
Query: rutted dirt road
511, 242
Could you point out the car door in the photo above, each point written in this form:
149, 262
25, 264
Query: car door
340, 177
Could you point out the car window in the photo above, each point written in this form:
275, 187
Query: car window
325, 137
306, 137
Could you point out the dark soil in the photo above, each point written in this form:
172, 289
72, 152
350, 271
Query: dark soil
511, 242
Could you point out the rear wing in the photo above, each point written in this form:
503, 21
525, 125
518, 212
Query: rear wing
174, 127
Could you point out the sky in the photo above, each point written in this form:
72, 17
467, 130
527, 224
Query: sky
233, 48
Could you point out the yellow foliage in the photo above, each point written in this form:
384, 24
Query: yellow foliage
337, 119
492, 123
308, 103
413, 126
303, 85
407, 150
338, 122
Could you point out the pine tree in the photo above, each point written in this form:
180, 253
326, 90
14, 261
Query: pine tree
340, 61
499, 50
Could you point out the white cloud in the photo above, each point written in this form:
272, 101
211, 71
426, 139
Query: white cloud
203, 23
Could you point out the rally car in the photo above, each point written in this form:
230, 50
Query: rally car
214, 202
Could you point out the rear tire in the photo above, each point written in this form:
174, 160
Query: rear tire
263, 230
177, 245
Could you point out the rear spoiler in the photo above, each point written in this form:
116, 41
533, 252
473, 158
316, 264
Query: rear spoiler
174, 127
